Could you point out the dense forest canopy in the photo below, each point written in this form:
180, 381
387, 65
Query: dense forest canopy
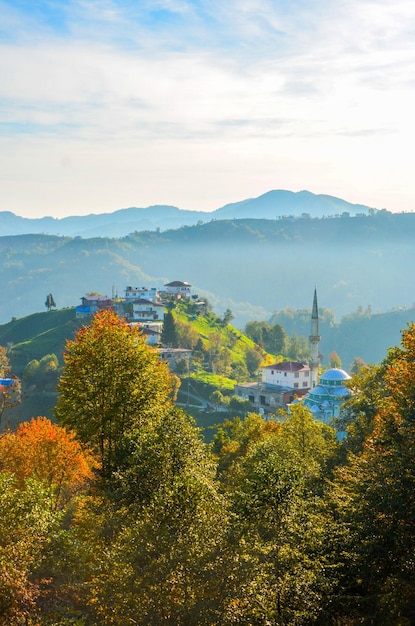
120, 513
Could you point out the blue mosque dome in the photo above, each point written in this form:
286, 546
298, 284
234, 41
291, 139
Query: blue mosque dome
334, 374
326, 398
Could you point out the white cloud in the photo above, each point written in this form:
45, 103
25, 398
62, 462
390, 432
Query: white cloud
238, 98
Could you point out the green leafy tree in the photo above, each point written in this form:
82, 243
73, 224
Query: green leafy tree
273, 339
216, 398
42, 374
277, 341
253, 359
26, 522
374, 502
10, 388
276, 538
187, 336
298, 348
161, 565
111, 383
257, 332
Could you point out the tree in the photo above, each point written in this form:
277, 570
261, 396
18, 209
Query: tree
253, 358
26, 522
277, 342
257, 332
50, 454
112, 383
273, 339
42, 374
4, 363
169, 333
187, 336
216, 398
278, 575
10, 388
227, 317
161, 563
298, 348
357, 364
50, 302
374, 501
334, 359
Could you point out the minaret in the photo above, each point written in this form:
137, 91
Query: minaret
314, 341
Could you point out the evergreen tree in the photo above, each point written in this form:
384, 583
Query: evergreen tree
50, 302
169, 333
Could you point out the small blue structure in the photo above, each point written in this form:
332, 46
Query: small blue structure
326, 398
6, 382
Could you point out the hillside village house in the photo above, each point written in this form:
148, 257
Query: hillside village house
143, 306
151, 331
289, 374
146, 310
142, 293
178, 288
174, 356
280, 384
91, 304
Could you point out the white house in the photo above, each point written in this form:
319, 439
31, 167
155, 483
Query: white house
151, 331
145, 310
141, 293
178, 288
290, 374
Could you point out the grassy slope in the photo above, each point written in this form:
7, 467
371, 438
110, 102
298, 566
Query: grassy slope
231, 338
36, 335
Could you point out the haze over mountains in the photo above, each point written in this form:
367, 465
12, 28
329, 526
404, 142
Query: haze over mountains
363, 258
271, 205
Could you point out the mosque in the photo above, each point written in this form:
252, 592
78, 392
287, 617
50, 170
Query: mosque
327, 393
289, 382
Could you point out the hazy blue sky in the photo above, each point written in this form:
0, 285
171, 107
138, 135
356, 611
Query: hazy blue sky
107, 104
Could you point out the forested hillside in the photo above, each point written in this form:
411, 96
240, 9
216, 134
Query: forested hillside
361, 334
253, 267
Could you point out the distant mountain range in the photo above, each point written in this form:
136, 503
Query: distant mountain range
271, 205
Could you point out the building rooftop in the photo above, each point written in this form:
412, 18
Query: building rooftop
287, 366
334, 374
178, 283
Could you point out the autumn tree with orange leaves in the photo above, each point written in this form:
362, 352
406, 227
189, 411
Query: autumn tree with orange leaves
49, 454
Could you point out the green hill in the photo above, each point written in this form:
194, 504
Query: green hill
34, 336
219, 356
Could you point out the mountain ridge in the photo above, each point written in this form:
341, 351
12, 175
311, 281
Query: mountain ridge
272, 204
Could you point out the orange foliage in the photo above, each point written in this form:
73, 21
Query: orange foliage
49, 453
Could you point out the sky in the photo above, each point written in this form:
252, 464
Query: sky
108, 104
